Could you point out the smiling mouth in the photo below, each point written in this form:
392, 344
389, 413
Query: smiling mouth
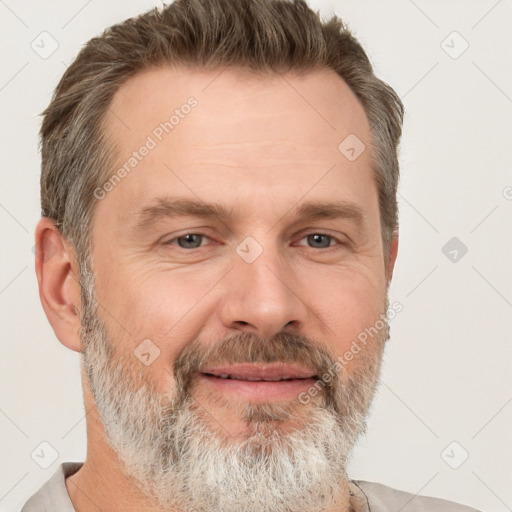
259, 384
257, 379
254, 372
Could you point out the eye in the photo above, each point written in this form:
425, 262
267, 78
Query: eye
320, 240
188, 241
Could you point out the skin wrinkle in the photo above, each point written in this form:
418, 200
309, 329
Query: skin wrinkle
148, 109
181, 444
116, 387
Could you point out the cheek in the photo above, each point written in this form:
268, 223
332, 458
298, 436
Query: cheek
348, 303
155, 313
152, 301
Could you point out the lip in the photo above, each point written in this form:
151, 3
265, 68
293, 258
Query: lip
261, 391
259, 371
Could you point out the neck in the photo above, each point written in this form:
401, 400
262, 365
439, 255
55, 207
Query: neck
100, 484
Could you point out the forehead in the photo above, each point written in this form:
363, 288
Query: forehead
229, 98
230, 134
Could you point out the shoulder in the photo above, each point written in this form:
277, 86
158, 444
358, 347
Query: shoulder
381, 498
53, 495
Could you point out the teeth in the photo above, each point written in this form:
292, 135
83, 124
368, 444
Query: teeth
238, 377
252, 379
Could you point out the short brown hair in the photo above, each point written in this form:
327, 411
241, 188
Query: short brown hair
260, 35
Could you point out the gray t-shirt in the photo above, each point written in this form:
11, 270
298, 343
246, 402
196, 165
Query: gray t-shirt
364, 497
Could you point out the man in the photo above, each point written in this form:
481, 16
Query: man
218, 235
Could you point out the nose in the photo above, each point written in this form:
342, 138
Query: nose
263, 297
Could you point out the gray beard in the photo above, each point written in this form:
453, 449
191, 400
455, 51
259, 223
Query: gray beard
182, 459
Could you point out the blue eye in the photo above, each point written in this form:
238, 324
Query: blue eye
197, 240
189, 241
319, 240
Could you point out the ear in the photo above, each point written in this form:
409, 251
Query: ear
59, 287
393, 251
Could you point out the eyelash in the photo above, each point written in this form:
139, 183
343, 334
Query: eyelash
333, 238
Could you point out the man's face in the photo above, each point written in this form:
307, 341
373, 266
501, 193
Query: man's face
279, 285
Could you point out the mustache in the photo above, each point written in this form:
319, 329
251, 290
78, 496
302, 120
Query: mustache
249, 348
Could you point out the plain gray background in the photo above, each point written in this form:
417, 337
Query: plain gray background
441, 421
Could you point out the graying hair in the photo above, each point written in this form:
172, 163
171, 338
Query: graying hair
264, 36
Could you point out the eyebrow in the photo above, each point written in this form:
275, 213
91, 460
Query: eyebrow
332, 210
168, 207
